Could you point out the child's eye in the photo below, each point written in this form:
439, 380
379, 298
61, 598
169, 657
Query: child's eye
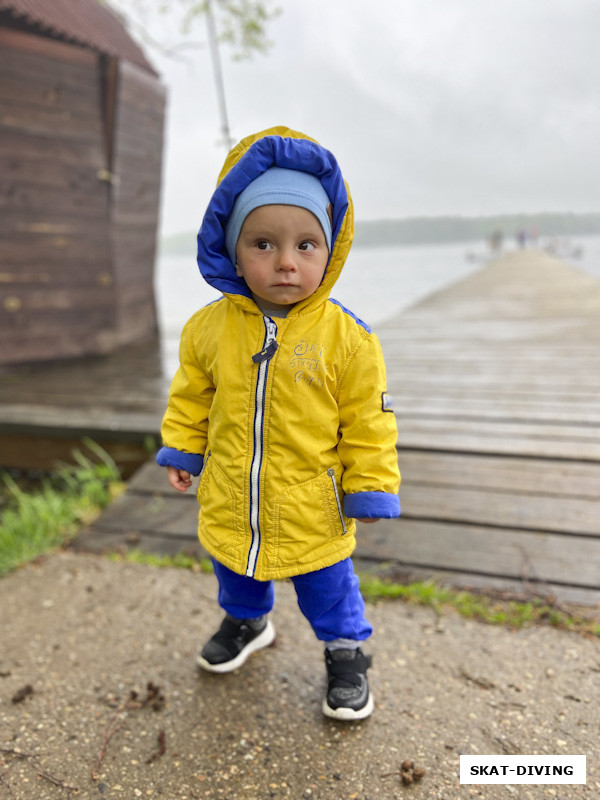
263, 244
306, 246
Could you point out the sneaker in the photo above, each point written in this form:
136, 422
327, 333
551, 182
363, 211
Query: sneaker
348, 696
235, 640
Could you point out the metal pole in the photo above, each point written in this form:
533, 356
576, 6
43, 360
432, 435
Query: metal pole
218, 75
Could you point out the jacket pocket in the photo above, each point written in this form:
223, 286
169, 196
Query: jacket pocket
219, 524
338, 502
308, 520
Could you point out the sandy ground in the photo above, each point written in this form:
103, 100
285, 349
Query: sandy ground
79, 633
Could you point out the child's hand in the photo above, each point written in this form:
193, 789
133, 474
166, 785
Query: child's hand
179, 479
368, 519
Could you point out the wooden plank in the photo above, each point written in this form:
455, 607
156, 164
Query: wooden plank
147, 101
476, 334
518, 286
60, 266
136, 322
94, 394
30, 92
85, 418
75, 203
506, 474
28, 146
44, 343
38, 223
137, 161
50, 122
512, 363
70, 326
168, 515
136, 304
133, 220
55, 75
483, 550
135, 114
22, 42
572, 405
444, 378
152, 479
556, 409
473, 333
98, 540
73, 299
140, 81
526, 589
504, 509
138, 246
475, 436
142, 194
46, 452
147, 154
42, 171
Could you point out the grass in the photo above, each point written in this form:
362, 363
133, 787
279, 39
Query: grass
179, 561
35, 522
488, 609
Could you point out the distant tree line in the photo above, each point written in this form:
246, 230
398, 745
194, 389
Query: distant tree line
430, 230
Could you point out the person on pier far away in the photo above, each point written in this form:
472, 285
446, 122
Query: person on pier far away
280, 405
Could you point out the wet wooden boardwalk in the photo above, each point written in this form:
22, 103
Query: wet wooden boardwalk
496, 382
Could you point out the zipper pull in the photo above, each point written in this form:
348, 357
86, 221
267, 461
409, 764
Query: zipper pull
268, 351
266, 354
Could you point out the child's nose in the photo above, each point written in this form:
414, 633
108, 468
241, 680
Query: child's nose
286, 260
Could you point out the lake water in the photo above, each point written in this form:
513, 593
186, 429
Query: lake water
376, 283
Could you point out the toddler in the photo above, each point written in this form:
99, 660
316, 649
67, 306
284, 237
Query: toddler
280, 405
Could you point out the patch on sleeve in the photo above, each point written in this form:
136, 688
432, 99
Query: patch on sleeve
386, 402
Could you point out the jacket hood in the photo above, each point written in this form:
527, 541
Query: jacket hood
281, 147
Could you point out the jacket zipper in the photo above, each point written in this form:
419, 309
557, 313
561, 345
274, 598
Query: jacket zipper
205, 462
262, 359
331, 473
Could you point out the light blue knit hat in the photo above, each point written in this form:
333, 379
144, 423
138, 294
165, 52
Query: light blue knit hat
278, 186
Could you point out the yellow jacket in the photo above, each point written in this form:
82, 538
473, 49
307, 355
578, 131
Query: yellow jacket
287, 420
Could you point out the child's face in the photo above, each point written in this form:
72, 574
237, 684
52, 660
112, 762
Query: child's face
281, 253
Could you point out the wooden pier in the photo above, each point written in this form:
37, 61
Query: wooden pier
496, 386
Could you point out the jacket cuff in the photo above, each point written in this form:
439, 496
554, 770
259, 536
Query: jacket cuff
372, 505
190, 462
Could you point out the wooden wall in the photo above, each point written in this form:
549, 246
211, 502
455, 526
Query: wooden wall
56, 296
76, 250
137, 163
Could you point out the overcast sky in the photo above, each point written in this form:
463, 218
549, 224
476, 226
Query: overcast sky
430, 106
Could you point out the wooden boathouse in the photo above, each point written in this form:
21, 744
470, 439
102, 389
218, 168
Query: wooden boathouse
496, 387
81, 132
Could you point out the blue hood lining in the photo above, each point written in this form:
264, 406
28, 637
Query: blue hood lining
215, 265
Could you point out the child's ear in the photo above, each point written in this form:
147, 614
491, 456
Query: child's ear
238, 270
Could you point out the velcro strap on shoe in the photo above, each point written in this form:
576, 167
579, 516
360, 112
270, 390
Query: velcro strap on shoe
346, 669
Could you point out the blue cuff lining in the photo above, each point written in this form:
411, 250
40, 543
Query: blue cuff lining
169, 457
372, 505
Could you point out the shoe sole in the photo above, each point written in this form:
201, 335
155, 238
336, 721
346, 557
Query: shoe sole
349, 714
264, 639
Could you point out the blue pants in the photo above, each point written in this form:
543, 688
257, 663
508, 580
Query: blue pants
329, 598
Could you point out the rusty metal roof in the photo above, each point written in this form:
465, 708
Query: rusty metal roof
86, 22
